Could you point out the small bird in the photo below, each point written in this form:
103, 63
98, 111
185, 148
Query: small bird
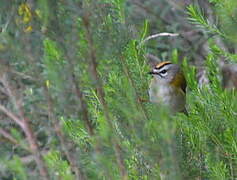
168, 86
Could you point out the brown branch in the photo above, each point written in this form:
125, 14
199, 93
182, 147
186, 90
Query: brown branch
12, 140
8, 136
11, 115
31, 140
119, 158
15, 99
7, 68
24, 123
35, 149
28, 159
64, 144
139, 102
84, 108
99, 88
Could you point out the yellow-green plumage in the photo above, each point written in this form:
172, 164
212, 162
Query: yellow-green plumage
168, 87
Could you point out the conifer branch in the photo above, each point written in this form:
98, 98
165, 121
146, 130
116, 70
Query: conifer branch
197, 18
63, 141
99, 88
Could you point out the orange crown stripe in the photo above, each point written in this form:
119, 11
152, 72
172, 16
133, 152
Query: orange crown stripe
158, 66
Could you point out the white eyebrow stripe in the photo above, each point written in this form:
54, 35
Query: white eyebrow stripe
164, 68
162, 75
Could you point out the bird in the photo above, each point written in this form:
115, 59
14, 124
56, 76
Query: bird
168, 86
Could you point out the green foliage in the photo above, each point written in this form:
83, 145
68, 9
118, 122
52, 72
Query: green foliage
209, 128
190, 75
89, 40
226, 11
17, 168
58, 167
197, 17
53, 64
226, 16
76, 131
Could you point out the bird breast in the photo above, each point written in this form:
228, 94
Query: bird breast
167, 95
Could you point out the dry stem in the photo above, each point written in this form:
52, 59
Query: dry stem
24, 123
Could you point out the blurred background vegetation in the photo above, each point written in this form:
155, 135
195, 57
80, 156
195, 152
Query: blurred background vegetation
72, 74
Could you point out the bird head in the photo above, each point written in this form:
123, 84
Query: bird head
167, 73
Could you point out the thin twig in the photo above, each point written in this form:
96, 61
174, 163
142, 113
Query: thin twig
28, 159
12, 140
35, 149
84, 108
24, 123
158, 35
128, 75
11, 115
7, 68
12, 95
8, 136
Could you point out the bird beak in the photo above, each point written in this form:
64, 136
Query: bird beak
153, 73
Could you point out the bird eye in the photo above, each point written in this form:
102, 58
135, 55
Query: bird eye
163, 71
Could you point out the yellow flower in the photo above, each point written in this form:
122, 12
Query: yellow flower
25, 12
28, 29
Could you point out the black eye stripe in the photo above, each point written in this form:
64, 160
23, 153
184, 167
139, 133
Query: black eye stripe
163, 71
161, 75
